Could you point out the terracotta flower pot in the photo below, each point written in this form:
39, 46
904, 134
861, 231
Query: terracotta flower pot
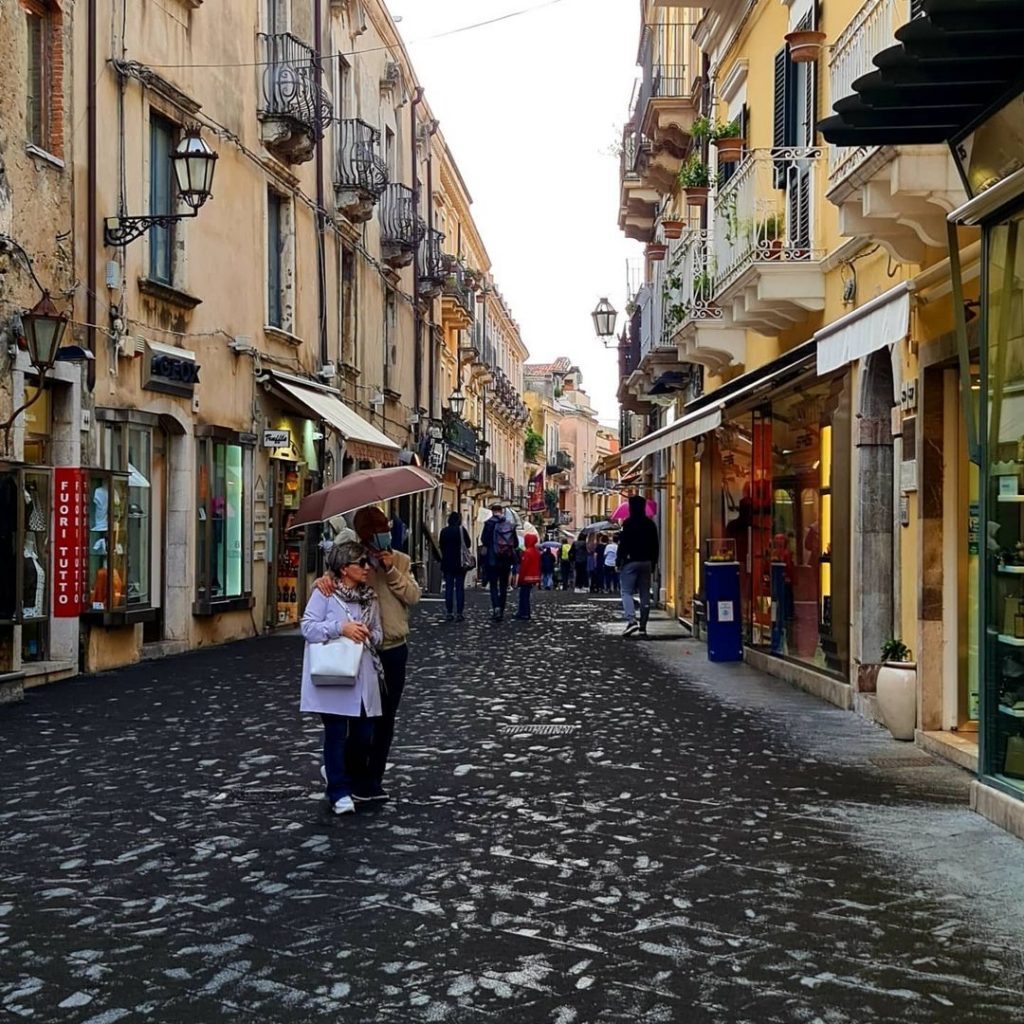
696, 196
730, 151
655, 251
805, 47
897, 698
672, 228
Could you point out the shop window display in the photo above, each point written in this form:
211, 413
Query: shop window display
107, 543
1003, 537
221, 572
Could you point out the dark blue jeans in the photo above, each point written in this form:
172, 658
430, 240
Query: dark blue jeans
366, 765
498, 576
525, 589
346, 744
455, 592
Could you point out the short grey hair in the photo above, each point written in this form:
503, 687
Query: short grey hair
343, 554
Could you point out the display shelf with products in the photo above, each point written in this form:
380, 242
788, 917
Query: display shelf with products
107, 540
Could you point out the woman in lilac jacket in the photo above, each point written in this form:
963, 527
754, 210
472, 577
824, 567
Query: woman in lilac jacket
347, 712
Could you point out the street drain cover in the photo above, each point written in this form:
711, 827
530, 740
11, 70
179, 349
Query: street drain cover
264, 794
903, 762
537, 729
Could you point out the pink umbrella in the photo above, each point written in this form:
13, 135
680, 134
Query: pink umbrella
622, 512
367, 487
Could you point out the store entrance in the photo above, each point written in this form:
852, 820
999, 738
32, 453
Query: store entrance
285, 587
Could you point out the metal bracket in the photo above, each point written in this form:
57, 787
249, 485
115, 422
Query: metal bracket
121, 231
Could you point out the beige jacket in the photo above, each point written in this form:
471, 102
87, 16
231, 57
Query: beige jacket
397, 591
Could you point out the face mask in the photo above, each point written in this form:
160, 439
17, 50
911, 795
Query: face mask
499, 516
382, 541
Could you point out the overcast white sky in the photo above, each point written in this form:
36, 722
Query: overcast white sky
531, 108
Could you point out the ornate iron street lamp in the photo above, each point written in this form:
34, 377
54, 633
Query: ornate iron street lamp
604, 316
194, 163
457, 401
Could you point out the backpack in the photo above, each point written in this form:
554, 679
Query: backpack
505, 540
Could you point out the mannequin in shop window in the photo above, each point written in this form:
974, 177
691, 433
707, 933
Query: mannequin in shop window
33, 583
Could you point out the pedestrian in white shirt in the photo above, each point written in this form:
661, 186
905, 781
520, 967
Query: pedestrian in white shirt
611, 574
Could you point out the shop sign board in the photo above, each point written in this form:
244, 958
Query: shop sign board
173, 371
69, 555
277, 439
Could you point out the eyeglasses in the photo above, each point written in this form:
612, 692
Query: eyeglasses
363, 563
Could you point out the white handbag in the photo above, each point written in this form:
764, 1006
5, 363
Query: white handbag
336, 662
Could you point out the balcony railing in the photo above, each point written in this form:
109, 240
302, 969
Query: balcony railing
460, 436
400, 227
871, 31
766, 212
690, 283
359, 164
431, 265
288, 83
603, 483
456, 284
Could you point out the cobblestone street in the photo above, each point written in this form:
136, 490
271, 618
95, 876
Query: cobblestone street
585, 830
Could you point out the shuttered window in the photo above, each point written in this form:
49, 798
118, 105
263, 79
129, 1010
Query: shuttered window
37, 84
275, 249
161, 198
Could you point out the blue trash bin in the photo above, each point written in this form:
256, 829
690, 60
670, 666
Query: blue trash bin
724, 625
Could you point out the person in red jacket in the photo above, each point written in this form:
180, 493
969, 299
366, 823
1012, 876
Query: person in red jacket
529, 574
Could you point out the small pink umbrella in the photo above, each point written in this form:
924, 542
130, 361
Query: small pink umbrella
622, 512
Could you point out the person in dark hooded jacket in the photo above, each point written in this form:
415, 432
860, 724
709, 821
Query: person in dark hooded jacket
452, 541
636, 559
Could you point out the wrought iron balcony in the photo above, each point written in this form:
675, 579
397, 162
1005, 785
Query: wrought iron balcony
460, 436
559, 462
294, 110
458, 285
898, 197
360, 174
401, 228
693, 322
766, 212
431, 264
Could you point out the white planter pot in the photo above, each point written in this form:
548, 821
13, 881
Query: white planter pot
897, 698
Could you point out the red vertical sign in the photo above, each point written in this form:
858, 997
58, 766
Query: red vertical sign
69, 533
536, 503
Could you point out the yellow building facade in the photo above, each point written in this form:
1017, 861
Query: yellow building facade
791, 348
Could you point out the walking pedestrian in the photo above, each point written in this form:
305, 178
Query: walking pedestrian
597, 582
566, 565
636, 558
348, 713
611, 551
454, 543
390, 576
529, 575
579, 555
501, 544
547, 568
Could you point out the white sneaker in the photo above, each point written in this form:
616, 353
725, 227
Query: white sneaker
344, 806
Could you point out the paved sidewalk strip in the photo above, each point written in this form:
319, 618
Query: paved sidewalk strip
585, 829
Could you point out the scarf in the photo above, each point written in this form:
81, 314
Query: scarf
364, 598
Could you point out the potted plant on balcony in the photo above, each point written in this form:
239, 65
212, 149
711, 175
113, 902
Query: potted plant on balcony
672, 226
695, 180
805, 46
656, 251
773, 231
729, 142
897, 689
700, 129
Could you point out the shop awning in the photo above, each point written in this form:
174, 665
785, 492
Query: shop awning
362, 439
877, 324
608, 464
685, 429
948, 65
705, 413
